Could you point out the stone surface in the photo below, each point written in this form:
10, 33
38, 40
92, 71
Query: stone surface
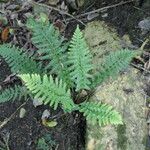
101, 40
125, 94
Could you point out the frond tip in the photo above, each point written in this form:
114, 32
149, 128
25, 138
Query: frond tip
80, 61
15, 93
18, 60
49, 91
113, 64
51, 47
102, 114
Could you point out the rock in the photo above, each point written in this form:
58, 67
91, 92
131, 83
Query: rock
22, 113
101, 40
131, 104
144, 25
125, 94
46, 114
37, 102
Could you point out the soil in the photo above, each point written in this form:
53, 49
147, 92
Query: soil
69, 134
24, 133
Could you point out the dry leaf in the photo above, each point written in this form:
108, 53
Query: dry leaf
10, 78
5, 33
60, 25
49, 123
63, 7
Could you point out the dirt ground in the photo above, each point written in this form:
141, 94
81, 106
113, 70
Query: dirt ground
69, 134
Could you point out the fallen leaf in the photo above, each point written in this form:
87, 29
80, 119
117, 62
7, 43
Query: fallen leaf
92, 16
63, 7
60, 25
5, 33
45, 120
10, 78
49, 123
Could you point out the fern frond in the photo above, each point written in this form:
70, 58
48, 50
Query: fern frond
51, 48
113, 64
49, 91
80, 61
18, 61
102, 114
15, 93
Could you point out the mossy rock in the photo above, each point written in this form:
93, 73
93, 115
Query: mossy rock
127, 97
125, 94
101, 40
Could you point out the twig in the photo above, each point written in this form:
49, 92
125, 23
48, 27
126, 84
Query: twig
140, 67
2, 124
56, 9
103, 8
143, 44
140, 10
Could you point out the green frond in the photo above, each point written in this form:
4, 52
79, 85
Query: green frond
51, 48
49, 91
18, 61
102, 114
15, 93
113, 64
80, 61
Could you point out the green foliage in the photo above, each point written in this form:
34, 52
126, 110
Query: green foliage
42, 145
51, 48
101, 113
122, 139
113, 64
80, 61
45, 143
18, 61
73, 69
49, 91
17, 92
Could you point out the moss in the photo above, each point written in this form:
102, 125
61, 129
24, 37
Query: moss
122, 139
148, 100
145, 141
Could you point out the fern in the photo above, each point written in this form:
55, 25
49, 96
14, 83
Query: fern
80, 60
72, 67
51, 48
18, 61
102, 114
49, 91
17, 92
112, 65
